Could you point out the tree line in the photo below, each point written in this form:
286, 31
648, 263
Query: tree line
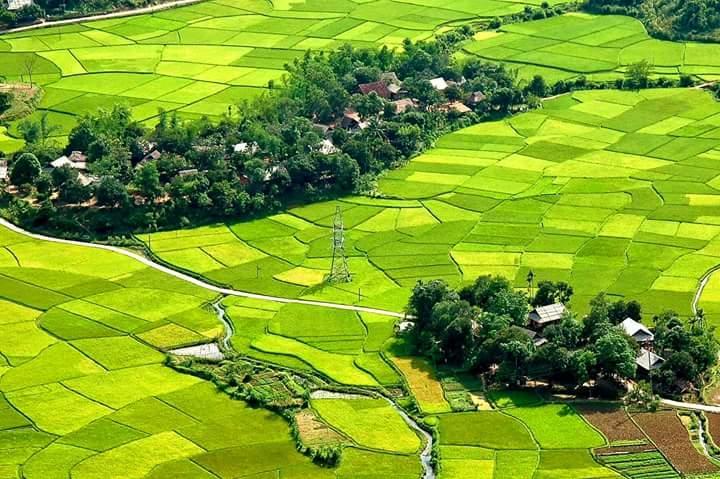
482, 328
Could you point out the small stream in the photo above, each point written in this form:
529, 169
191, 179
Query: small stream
425, 454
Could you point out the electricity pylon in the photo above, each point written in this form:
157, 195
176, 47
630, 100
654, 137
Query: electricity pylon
339, 270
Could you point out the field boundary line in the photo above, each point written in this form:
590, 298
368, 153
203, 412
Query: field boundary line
197, 282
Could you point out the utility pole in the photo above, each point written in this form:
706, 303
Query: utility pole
530, 280
339, 270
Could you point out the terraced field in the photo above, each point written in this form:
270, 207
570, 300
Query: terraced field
84, 392
200, 59
612, 191
599, 47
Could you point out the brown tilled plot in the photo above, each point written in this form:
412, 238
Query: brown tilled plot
669, 434
714, 426
612, 421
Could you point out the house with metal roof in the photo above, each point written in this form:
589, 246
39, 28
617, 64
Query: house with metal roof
544, 315
647, 360
637, 331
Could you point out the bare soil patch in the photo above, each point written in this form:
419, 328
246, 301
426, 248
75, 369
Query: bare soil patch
666, 430
612, 421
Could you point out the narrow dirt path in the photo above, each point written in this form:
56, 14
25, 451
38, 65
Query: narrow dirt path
198, 282
102, 16
691, 405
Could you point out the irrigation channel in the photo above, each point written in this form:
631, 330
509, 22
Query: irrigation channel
208, 351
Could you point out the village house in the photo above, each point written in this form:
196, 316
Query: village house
378, 87
403, 105
351, 120
647, 360
455, 106
244, 147
76, 161
477, 97
534, 337
542, 316
637, 331
14, 5
439, 84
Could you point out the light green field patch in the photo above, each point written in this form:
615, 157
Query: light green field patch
666, 126
698, 231
337, 366
56, 409
409, 217
521, 162
547, 260
558, 426
302, 276
370, 422
124, 386
234, 253
601, 108
614, 159
193, 259
67, 63
148, 304
675, 283
482, 258
138, 458
441, 178
622, 225
703, 200
669, 228
207, 54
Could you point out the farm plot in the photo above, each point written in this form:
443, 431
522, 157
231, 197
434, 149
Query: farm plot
623, 203
515, 443
200, 59
339, 344
83, 391
670, 436
599, 47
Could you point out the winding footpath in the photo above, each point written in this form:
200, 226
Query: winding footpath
197, 282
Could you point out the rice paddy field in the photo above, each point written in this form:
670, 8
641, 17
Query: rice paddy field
84, 392
599, 47
612, 191
200, 59
520, 441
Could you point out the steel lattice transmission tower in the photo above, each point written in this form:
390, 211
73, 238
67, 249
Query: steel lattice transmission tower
339, 270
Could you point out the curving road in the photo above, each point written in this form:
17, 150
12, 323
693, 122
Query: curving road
198, 282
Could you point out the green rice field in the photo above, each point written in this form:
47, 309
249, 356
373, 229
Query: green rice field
612, 191
599, 47
542, 441
84, 392
200, 59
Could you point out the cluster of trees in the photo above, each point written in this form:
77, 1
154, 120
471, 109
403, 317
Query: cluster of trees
200, 174
482, 327
6, 99
668, 19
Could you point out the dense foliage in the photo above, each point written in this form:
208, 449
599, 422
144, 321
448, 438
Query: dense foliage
482, 328
669, 19
275, 151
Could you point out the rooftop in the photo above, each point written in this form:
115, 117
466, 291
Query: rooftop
547, 314
636, 330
